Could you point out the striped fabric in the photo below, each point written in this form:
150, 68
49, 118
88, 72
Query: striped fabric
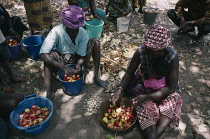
149, 112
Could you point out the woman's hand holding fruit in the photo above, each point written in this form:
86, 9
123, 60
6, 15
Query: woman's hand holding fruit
139, 100
116, 96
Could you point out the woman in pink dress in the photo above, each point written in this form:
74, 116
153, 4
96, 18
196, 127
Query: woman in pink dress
152, 79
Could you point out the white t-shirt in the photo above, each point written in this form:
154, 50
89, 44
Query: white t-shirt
2, 38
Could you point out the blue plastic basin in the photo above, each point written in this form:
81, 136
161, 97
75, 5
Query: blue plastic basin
16, 50
71, 88
33, 45
28, 101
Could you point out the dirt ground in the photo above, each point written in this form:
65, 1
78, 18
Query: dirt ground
75, 117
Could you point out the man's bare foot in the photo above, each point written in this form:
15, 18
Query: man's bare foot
50, 95
101, 83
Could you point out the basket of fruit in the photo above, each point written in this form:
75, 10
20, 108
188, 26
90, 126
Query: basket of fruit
15, 47
72, 84
32, 115
120, 117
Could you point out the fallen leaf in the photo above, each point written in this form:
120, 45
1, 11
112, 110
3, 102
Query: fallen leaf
189, 93
109, 137
208, 121
77, 117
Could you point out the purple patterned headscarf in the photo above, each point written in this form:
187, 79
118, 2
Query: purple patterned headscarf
72, 16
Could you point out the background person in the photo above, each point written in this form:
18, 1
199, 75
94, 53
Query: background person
138, 4
11, 26
158, 107
118, 8
90, 7
8, 102
4, 58
198, 15
69, 43
39, 14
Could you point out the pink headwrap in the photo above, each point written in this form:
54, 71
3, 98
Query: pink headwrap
72, 16
157, 38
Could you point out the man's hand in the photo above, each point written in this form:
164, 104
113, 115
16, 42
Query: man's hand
72, 2
86, 9
183, 28
78, 68
70, 71
97, 17
124, 13
182, 21
12, 32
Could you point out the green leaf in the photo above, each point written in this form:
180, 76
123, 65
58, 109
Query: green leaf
109, 137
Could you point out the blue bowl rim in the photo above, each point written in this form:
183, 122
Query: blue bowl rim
67, 81
86, 22
45, 121
31, 37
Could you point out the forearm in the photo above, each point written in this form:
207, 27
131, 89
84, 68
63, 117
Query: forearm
126, 81
80, 62
161, 93
93, 7
114, 6
204, 20
47, 58
7, 17
179, 8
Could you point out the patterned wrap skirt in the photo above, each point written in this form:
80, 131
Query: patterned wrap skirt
39, 14
149, 112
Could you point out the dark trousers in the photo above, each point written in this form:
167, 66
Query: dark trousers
3, 129
202, 30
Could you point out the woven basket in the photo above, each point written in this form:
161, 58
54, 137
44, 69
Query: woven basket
104, 106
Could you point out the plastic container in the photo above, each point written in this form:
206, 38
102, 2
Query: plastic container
150, 15
27, 103
71, 88
123, 24
16, 50
94, 28
33, 45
